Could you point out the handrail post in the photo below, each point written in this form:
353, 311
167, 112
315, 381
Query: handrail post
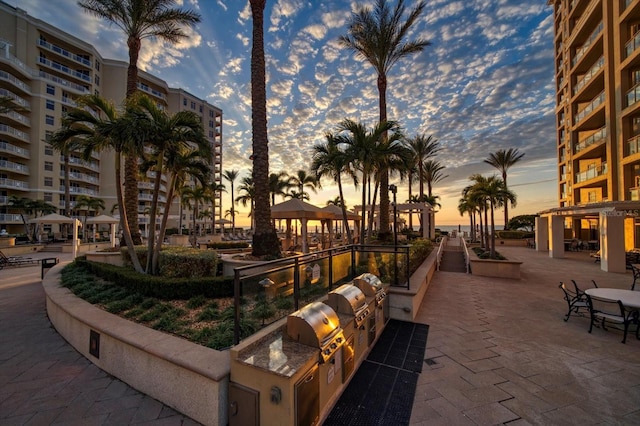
236, 302
330, 269
296, 284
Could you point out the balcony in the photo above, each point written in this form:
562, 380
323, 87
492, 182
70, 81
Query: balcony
61, 81
79, 162
592, 173
595, 138
64, 69
63, 52
14, 167
634, 194
16, 99
82, 177
10, 218
14, 184
8, 57
79, 190
633, 95
13, 80
587, 44
12, 149
13, 132
595, 103
586, 78
632, 45
18, 118
633, 145
68, 101
151, 91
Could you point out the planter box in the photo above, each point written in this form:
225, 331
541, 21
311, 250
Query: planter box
494, 268
112, 258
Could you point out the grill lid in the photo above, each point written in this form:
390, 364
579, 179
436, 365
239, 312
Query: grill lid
347, 299
368, 283
314, 325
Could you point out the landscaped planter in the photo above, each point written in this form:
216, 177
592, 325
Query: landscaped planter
110, 257
494, 268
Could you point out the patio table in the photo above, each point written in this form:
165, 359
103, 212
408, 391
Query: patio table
629, 298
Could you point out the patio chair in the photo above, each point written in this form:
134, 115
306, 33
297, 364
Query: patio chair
604, 310
636, 275
596, 256
575, 301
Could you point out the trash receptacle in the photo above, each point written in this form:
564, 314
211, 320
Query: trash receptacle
47, 264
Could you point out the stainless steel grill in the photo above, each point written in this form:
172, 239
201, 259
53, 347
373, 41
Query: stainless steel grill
371, 285
316, 325
349, 299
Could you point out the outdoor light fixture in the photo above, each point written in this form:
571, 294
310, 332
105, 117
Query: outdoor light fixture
394, 189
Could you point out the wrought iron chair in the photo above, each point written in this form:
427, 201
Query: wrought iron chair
614, 311
575, 301
636, 275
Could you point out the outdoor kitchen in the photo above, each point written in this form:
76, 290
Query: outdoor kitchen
293, 371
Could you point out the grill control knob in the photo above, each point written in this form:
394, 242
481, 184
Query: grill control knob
327, 352
333, 346
339, 340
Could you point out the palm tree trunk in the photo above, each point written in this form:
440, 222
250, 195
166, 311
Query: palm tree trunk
482, 245
153, 213
371, 214
506, 203
363, 223
493, 234
124, 222
265, 239
384, 232
345, 221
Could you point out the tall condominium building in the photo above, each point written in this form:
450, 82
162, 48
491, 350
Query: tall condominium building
44, 70
597, 67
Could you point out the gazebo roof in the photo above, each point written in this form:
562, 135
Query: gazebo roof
337, 212
298, 209
102, 219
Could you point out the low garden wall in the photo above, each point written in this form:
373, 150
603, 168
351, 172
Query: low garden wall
494, 268
188, 377
403, 303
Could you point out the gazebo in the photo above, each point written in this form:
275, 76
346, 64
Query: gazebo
298, 210
104, 219
337, 216
55, 218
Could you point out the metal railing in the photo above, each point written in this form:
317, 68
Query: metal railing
443, 242
465, 250
269, 291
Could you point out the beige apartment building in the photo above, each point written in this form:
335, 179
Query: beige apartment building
597, 67
45, 70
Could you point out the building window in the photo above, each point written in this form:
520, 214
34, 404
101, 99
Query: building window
51, 90
48, 165
200, 109
49, 120
211, 123
48, 181
210, 133
193, 105
97, 65
184, 101
51, 105
211, 113
48, 135
48, 150
96, 92
48, 197
97, 80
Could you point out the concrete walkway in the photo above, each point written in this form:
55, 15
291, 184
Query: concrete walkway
44, 381
499, 351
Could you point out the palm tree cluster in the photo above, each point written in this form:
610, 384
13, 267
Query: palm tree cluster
170, 145
139, 20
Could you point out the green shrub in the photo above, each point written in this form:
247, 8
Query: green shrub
419, 251
173, 262
514, 235
228, 245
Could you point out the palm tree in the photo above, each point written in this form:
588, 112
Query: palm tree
166, 135
466, 206
279, 183
8, 104
248, 196
433, 174
96, 126
497, 194
302, 180
379, 37
265, 238
362, 151
231, 176
503, 160
140, 19
194, 197
331, 161
28, 207
422, 148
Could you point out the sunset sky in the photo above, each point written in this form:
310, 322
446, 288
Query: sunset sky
486, 83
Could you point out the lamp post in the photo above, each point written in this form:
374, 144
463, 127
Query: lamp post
394, 189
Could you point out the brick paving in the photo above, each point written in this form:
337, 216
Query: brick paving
499, 352
44, 381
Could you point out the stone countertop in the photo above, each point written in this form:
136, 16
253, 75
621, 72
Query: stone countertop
278, 354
